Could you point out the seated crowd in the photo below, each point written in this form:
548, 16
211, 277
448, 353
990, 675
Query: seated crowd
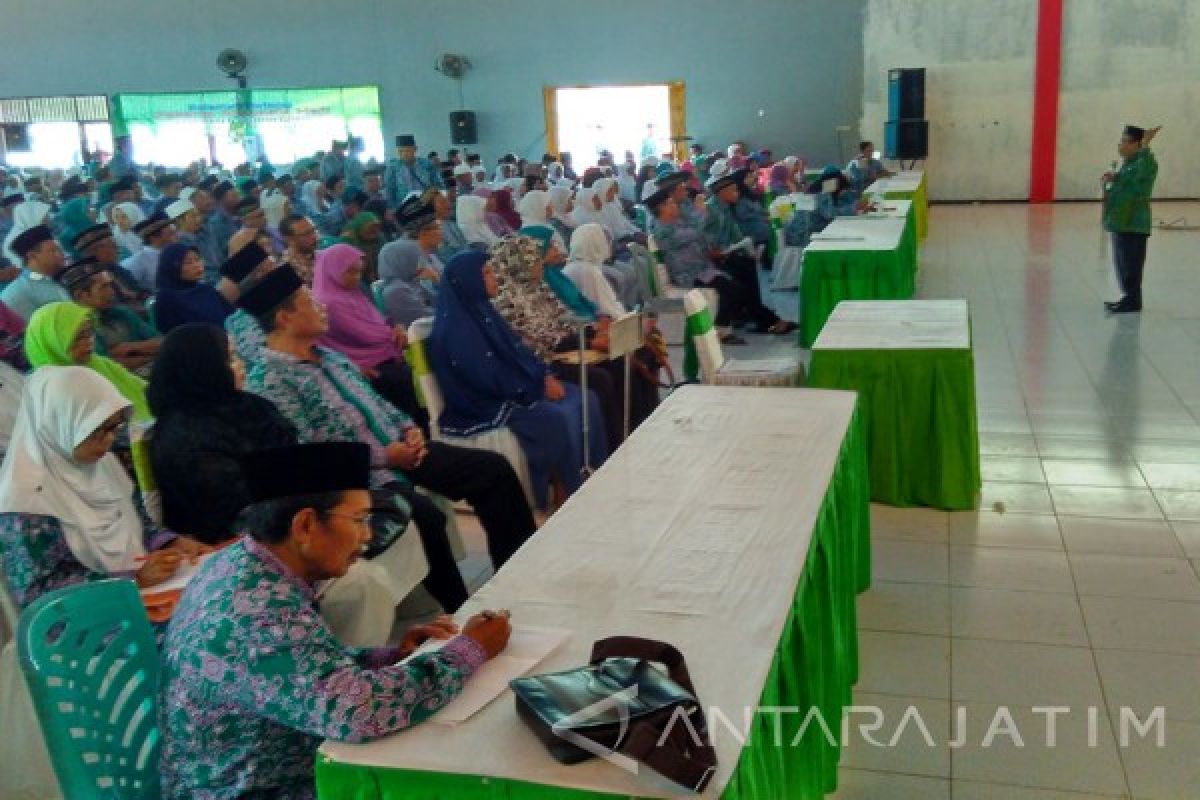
253, 348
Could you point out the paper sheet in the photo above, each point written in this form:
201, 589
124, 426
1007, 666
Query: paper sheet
183, 575
527, 646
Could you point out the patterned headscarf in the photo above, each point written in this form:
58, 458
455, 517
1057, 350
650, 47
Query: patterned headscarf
525, 302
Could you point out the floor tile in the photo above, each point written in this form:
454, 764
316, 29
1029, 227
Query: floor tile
1188, 534
1119, 536
909, 562
1027, 498
912, 524
1105, 502
861, 784
1171, 772
1179, 505
905, 608
1007, 444
1073, 447
904, 664
990, 529
1166, 452
1144, 681
966, 790
1016, 616
1135, 576
1171, 476
902, 743
1019, 673
1154, 626
1092, 473
1009, 468
1072, 763
1010, 568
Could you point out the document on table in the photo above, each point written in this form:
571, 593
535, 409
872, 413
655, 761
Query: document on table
527, 647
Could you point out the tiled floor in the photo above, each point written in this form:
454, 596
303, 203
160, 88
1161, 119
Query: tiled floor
1075, 584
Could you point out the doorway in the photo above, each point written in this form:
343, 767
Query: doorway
643, 119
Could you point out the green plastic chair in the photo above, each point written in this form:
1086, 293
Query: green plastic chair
377, 294
90, 659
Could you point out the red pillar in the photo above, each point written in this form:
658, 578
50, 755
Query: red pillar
1044, 141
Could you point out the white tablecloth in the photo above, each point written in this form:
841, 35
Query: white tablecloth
904, 181
857, 233
896, 325
694, 532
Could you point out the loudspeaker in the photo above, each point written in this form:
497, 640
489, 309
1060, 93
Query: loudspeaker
906, 139
906, 93
16, 138
462, 127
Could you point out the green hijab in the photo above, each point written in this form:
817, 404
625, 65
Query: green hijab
352, 231
48, 339
73, 218
553, 276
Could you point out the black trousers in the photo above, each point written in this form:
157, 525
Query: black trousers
395, 384
609, 391
738, 304
487, 482
1129, 256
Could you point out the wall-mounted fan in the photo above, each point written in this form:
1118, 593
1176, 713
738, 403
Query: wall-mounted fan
233, 63
452, 66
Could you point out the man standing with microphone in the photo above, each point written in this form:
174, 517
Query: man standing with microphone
1127, 213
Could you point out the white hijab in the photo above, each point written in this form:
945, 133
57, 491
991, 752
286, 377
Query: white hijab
274, 205
532, 208
585, 212
26, 215
590, 248
618, 223
128, 239
93, 503
312, 199
559, 196
471, 213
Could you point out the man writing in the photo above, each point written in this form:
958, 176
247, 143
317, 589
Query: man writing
1127, 213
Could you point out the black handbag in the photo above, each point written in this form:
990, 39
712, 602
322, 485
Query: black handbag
390, 515
627, 705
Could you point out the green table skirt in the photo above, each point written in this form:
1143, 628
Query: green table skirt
919, 410
815, 665
920, 205
830, 276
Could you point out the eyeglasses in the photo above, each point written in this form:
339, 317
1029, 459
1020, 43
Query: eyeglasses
108, 429
363, 521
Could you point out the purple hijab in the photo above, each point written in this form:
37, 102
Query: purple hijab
356, 328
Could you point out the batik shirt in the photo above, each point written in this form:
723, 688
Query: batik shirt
36, 558
30, 291
248, 337
720, 227
329, 400
253, 680
118, 325
685, 253
454, 241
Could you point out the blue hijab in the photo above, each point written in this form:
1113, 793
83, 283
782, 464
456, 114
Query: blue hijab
552, 276
481, 366
180, 302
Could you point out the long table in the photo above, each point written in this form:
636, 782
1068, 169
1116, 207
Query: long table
912, 364
733, 524
866, 257
907, 185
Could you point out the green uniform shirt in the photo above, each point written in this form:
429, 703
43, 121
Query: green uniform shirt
1127, 203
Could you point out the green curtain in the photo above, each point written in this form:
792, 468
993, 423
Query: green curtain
815, 665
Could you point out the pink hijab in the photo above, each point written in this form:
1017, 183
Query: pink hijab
356, 328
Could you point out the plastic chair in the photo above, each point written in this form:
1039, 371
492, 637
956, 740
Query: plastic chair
717, 370
89, 657
377, 294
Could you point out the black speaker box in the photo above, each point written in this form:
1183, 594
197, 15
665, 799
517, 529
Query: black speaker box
906, 93
462, 127
16, 138
906, 139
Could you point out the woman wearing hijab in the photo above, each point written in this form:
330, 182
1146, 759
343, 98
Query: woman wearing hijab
620, 225
203, 424
61, 335
589, 207
779, 181
122, 218
562, 204
526, 268
73, 218
454, 241
358, 331
472, 218
364, 232
490, 379
405, 298
535, 208
751, 214
506, 210
67, 509
590, 249
182, 296
25, 215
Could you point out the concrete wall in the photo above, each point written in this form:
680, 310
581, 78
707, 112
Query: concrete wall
1132, 61
798, 62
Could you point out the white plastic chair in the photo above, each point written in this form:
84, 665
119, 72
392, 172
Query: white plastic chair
497, 440
717, 370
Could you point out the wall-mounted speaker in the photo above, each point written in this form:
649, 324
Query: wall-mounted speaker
462, 127
16, 138
906, 93
906, 139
